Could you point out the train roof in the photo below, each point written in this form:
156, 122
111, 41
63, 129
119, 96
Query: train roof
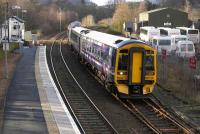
108, 39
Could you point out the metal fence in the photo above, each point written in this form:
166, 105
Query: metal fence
178, 75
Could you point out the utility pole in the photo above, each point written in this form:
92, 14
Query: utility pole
6, 44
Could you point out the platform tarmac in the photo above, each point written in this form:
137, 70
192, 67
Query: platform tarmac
33, 103
23, 112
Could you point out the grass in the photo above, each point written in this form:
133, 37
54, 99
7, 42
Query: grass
1, 53
105, 28
13, 46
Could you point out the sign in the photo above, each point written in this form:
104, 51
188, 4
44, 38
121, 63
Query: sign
167, 24
164, 53
5, 47
193, 62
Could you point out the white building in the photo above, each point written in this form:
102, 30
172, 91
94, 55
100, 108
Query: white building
16, 29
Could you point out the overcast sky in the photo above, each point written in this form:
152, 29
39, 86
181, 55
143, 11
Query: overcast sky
103, 2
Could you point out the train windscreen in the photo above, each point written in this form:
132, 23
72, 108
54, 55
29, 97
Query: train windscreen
149, 65
123, 60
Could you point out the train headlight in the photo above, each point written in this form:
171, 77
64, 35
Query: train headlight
149, 72
122, 73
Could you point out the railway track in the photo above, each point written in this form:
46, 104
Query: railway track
159, 121
88, 117
153, 114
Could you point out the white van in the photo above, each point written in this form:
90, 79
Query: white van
192, 34
185, 49
148, 32
176, 39
162, 42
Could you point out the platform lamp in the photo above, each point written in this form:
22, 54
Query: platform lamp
17, 8
23, 11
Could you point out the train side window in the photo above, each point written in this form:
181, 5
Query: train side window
105, 53
113, 58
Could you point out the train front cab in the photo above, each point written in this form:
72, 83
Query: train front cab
135, 70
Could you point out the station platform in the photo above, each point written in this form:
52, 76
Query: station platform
33, 103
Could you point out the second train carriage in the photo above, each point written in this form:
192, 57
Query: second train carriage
127, 67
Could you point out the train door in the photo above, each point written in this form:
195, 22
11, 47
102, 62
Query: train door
136, 66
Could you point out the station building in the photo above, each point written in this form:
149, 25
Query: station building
16, 29
164, 17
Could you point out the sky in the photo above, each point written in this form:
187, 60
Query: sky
103, 2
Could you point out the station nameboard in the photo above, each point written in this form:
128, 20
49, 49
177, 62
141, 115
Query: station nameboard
5, 46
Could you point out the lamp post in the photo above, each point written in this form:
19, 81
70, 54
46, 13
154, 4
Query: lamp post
60, 15
23, 11
17, 8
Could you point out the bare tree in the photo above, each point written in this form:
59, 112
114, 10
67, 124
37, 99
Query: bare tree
88, 21
143, 6
122, 13
188, 8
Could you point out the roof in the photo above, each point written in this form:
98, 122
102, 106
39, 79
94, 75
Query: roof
159, 9
18, 19
155, 10
108, 39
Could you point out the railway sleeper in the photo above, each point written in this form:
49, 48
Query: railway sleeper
100, 131
97, 127
170, 130
85, 113
92, 118
94, 124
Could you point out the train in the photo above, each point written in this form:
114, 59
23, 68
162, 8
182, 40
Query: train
127, 67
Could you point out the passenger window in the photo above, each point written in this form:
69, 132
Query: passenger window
105, 53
